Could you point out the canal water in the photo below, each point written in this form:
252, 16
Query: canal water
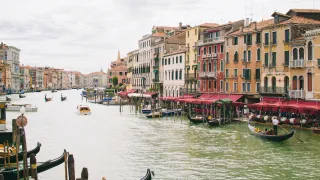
122, 146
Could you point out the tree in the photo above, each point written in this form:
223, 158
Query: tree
115, 80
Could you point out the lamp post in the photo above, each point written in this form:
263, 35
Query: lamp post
22, 122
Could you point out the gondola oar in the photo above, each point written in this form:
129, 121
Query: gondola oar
288, 132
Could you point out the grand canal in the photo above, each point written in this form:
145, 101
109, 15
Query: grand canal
122, 146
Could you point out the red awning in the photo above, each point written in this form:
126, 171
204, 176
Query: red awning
272, 99
125, 94
151, 93
205, 96
188, 100
232, 97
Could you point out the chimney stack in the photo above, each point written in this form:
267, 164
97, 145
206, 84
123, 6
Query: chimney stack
180, 25
255, 25
241, 28
247, 22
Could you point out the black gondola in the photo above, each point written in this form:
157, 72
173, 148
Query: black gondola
63, 98
21, 96
20, 155
277, 138
195, 120
8, 99
53, 91
11, 173
47, 99
148, 176
214, 122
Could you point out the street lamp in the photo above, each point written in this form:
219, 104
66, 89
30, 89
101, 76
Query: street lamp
22, 122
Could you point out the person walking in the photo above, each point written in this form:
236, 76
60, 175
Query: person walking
275, 123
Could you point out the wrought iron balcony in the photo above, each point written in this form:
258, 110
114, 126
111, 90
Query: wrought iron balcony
156, 67
156, 80
207, 74
191, 76
297, 94
297, 63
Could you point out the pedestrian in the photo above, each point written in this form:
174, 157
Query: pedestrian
275, 123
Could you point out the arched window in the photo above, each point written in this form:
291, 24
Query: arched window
235, 59
177, 93
309, 80
249, 55
294, 83
295, 54
244, 55
215, 66
258, 55
210, 66
301, 83
172, 93
204, 67
274, 84
265, 84
301, 53
310, 51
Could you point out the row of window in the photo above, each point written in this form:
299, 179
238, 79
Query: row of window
173, 75
246, 87
247, 39
208, 50
207, 67
145, 44
172, 93
167, 61
117, 73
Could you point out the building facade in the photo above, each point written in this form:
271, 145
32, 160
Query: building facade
173, 68
117, 69
97, 79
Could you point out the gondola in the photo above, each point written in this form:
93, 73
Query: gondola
148, 176
277, 138
8, 99
47, 99
20, 155
195, 120
21, 96
11, 173
53, 91
63, 98
214, 122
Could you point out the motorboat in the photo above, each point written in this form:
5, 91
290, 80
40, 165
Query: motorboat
84, 110
17, 107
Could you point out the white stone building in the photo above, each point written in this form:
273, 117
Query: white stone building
97, 79
72, 79
13, 59
174, 68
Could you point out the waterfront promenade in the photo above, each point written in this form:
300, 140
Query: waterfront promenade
122, 146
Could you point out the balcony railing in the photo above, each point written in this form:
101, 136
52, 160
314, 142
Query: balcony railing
156, 67
156, 80
272, 90
211, 40
297, 63
297, 94
190, 76
208, 74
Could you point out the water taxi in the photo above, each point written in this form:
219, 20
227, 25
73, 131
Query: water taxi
84, 110
17, 107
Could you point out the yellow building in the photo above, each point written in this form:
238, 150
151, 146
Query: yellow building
304, 66
244, 59
132, 59
192, 38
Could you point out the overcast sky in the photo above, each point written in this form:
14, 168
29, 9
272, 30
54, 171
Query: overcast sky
85, 35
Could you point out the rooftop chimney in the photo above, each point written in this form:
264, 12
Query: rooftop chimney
247, 22
180, 25
255, 25
241, 28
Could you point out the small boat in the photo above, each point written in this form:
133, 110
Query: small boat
214, 122
22, 96
148, 176
21, 92
84, 110
8, 99
54, 90
146, 110
11, 173
20, 155
197, 119
278, 138
47, 99
17, 107
63, 98
154, 115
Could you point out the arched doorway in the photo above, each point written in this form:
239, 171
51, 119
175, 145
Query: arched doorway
309, 79
286, 84
294, 83
274, 84
310, 51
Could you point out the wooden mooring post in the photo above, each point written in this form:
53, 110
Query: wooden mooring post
33, 163
84, 174
71, 167
1, 177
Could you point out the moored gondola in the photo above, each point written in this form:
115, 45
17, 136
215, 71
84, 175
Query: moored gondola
196, 120
63, 98
11, 173
47, 99
12, 158
277, 138
148, 176
21, 96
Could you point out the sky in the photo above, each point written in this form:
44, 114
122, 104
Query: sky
85, 35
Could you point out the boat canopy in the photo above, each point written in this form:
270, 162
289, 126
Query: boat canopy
139, 95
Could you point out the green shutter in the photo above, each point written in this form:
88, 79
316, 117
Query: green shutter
286, 58
266, 59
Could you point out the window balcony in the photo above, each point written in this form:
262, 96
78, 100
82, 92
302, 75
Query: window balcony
272, 90
207, 74
156, 67
213, 40
191, 76
297, 63
156, 80
297, 94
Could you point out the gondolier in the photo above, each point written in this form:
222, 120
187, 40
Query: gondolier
275, 123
